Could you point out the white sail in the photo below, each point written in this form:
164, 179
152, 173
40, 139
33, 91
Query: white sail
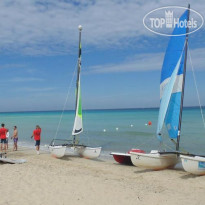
78, 123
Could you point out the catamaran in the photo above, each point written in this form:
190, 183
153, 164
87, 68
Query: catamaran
58, 150
171, 100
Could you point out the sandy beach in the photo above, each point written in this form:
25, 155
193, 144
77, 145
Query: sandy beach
46, 180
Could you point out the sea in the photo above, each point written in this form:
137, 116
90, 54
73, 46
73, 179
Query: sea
116, 130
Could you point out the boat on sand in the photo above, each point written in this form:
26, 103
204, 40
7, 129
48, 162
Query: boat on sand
73, 146
171, 101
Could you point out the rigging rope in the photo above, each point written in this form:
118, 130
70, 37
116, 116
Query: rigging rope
196, 87
164, 146
68, 93
85, 127
148, 140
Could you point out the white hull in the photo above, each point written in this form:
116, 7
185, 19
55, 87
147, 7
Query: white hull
154, 160
57, 151
193, 164
89, 152
72, 151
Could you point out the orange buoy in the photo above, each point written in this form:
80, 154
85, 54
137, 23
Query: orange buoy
149, 123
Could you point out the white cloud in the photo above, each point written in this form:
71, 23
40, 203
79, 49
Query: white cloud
141, 62
33, 89
197, 58
147, 62
50, 26
20, 79
11, 66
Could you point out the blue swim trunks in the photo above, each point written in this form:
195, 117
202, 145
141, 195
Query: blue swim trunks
37, 142
3, 141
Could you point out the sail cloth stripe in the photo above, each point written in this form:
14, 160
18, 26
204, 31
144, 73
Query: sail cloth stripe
171, 82
177, 86
78, 131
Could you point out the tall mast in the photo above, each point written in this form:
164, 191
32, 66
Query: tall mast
183, 83
79, 65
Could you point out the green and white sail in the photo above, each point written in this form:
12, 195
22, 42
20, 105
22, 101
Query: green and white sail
78, 123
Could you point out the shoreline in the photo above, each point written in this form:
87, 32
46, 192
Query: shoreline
105, 155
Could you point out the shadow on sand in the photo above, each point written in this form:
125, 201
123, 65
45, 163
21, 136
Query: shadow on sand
152, 170
189, 176
144, 171
69, 157
126, 165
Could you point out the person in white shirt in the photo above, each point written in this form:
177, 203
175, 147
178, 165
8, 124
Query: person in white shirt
7, 139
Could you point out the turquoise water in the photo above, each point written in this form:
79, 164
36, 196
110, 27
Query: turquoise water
97, 121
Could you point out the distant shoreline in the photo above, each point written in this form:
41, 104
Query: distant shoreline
106, 109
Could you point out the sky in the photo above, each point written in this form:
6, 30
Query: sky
121, 59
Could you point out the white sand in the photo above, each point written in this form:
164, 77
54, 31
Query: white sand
46, 180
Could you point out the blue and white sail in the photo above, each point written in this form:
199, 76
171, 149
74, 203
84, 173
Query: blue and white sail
171, 82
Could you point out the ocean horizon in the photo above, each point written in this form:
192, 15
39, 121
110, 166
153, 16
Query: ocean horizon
100, 109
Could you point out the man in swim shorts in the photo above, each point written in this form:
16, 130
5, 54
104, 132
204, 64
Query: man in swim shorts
15, 138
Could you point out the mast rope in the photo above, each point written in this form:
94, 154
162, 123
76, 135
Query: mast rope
66, 100
85, 127
147, 141
196, 87
162, 145
169, 147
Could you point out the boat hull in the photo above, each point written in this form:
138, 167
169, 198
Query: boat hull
57, 151
193, 164
124, 158
88, 152
154, 161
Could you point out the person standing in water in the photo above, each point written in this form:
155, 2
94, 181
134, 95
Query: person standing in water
15, 138
37, 137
